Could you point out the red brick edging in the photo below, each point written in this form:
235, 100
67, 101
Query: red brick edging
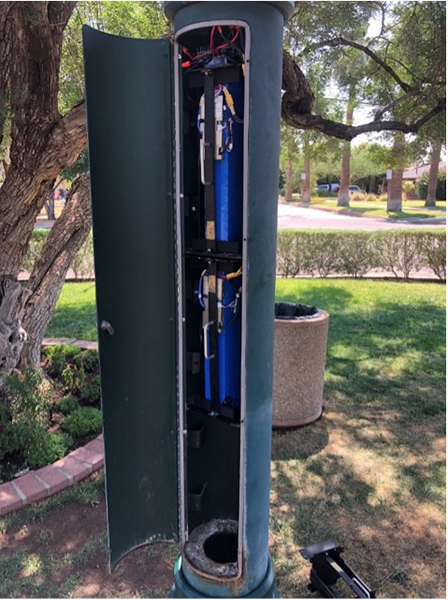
43, 483
49, 480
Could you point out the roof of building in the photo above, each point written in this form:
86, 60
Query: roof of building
416, 170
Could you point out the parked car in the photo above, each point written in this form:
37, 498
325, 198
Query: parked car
325, 187
355, 189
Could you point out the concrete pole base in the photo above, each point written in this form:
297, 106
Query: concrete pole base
182, 589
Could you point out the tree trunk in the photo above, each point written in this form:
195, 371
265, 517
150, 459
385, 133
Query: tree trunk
25, 189
42, 142
344, 192
372, 184
49, 207
288, 182
65, 239
395, 187
12, 335
306, 183
433, 176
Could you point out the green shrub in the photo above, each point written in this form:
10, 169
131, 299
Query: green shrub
82, 421
67, 404
433, 248
73, 379
311, 252
289, 262
371, 198
382, 198
59, 356
25, 412
320, 254
88, 360
47, 448
82, 263
37, 241
90, 390
325, 194
27, 400
357, 253
400, 251
440, 190
8, 434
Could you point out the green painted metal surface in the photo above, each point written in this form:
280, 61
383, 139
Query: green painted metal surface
128, 86
266, 26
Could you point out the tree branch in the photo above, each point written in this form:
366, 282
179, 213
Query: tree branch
48, 276
298, 101
341, 41
394, 103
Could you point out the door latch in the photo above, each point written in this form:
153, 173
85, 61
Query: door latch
107, 327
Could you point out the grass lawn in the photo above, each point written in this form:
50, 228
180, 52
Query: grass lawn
370, 473
75, 313
411, 208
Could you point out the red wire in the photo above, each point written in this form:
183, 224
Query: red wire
235, 37
187, 52
213, 50
212, 33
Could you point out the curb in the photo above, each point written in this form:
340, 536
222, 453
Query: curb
351, 213
49, 480
83, 344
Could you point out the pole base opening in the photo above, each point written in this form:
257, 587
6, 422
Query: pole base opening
222, 547
212, 549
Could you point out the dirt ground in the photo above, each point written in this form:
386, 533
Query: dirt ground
65, 555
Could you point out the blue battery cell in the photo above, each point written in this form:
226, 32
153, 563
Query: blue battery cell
229, 177
228, 172
229, 349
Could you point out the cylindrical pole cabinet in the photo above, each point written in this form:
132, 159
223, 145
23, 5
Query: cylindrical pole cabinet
184, 149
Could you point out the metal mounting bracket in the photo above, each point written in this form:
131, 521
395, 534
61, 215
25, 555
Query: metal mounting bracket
327, 567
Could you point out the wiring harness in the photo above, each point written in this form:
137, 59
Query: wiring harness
224, 42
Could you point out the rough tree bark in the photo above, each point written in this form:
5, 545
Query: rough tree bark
43, 143
433, 173
344, 192
298, 102
47, 278
395, 187
12, 335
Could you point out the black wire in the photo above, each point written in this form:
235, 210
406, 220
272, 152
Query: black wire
232, 320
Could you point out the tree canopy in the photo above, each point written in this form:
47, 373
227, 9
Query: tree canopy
404, 77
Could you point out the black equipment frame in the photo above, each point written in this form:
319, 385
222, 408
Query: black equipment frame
327, 567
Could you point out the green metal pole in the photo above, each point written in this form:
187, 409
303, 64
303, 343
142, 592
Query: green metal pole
265, 21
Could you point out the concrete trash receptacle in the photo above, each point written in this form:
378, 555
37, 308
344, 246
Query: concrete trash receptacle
300, 346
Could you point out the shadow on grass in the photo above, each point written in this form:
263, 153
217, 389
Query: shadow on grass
327, 297
301, 442
385, 544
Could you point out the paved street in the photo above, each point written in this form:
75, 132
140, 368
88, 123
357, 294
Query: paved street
297, 217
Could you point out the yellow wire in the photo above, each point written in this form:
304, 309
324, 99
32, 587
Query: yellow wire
233, 275
229, 100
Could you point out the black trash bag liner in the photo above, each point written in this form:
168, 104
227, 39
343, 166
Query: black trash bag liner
289, 310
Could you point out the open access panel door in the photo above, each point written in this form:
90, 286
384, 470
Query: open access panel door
128, 87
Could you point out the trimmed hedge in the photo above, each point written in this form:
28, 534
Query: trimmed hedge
354, 253
322, 252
